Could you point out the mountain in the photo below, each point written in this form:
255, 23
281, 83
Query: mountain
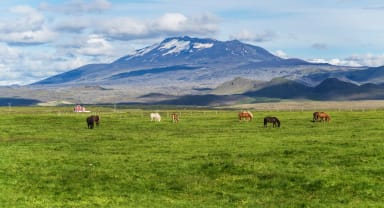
187, 63
195, 69
370, 75
328, 89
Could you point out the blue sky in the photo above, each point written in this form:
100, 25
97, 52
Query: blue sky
41, 38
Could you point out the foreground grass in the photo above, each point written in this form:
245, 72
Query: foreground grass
209, 159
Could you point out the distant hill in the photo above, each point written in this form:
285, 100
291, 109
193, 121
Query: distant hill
282, 88
237, 86
279, 88
329, 89
8, 101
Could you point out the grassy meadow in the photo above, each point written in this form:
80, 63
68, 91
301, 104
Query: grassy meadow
48, 158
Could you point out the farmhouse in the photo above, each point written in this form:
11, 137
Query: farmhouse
80, 109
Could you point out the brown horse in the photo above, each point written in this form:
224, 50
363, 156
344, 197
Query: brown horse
92, 120
324, 117
246, 115
175, 118
275, 121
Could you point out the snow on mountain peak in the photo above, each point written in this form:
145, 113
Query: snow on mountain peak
178, 45
202, 45
145, 50
174, 46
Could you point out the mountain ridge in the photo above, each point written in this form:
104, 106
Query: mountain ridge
213, 59
185, 66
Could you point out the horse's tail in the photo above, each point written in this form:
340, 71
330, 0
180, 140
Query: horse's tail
315, 116
250, 114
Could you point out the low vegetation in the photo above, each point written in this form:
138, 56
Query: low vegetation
209, 159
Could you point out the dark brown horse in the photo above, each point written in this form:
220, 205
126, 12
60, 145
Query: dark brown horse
92, 120
246, 115
269, 119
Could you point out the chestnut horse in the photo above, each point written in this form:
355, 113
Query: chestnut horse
175, 118
246, 115
275, 121
324, 117
92, 120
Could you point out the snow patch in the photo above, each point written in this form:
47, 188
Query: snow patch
142, 52
202, 45
174, 46
145, 50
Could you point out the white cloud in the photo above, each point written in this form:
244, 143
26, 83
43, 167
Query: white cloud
246, 35
179, 24
367, 60
355, 60
281, 54
123, 28
27, 18
95, 45
169, 24
28, 27
41, 36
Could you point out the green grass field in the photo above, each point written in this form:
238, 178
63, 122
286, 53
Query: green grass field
49, 158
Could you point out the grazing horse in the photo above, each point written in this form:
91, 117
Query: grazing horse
155, 117
175, 118
324, 117
246, 115
91, 120
275, 121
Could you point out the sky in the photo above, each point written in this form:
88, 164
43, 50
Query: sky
42, 38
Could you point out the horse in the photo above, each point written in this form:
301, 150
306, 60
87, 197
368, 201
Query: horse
324, 117
155, 117
91, 120
175, 118
246, 115
275, 121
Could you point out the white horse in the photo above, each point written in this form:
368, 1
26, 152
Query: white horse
155, 117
